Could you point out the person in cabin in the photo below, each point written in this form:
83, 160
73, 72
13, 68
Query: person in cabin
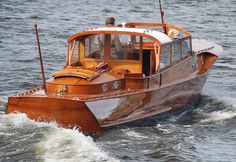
115, 40
110, 22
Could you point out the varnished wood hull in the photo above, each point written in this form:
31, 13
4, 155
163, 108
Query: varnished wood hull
93, 115
155, 102
67, 113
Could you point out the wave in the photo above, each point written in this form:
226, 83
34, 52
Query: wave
51, 143
218, 116
69, 145
217, 110
3, 104
136, 135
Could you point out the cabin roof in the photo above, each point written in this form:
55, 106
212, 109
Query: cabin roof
158, 36
163, 38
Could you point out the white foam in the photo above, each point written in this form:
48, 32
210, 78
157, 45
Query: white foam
16, 119
135, 134
227, 112
69, 145
230, 102
218, 116
58, 144
166, 129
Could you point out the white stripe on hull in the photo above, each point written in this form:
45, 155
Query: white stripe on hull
102, 109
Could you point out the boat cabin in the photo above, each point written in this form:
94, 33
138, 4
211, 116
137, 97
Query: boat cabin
139, 51
130, 53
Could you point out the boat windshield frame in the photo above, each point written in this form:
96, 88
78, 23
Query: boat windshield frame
159, 40
82, 36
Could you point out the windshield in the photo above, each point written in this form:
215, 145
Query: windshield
115, 46
94, 46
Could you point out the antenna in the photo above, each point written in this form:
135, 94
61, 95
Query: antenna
40, 58
162, 18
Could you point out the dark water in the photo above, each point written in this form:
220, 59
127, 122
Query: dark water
208, 133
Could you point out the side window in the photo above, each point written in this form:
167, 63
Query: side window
181, 49
165, 55
186, 47
94, 46
176, 54
74, 52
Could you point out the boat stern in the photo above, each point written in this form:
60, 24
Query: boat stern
67, 113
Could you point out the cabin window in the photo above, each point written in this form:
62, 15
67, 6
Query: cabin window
74, 53
145, 39
186, 50
94, 46
118, 47
165, 55
180, 48
125, 47
176, 53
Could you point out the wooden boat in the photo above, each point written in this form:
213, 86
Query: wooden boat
157, 68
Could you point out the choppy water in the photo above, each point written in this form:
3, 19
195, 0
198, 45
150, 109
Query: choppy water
208, 133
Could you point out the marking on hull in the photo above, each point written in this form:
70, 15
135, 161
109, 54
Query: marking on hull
102, 109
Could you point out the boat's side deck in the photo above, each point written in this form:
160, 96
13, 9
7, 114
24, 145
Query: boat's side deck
40, 92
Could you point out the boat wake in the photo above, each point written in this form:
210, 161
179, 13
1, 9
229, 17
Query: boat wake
218, 110
46, 142
69, 145
136, 135
3, 104
218, 116
208, 110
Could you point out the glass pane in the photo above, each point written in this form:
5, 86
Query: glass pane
94, 46
124, 47
165, 55
116, 46
75, 53
186, 47
176, 54
145, 39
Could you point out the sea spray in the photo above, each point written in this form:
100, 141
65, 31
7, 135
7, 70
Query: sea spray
217, 110
60, 144
218, 116
43, 141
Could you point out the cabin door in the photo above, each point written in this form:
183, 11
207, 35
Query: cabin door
146, 62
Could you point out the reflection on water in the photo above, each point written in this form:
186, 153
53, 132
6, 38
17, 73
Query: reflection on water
206, 133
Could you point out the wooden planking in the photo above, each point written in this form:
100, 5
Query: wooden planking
67, 113
157, 101
131, 67
77, 72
